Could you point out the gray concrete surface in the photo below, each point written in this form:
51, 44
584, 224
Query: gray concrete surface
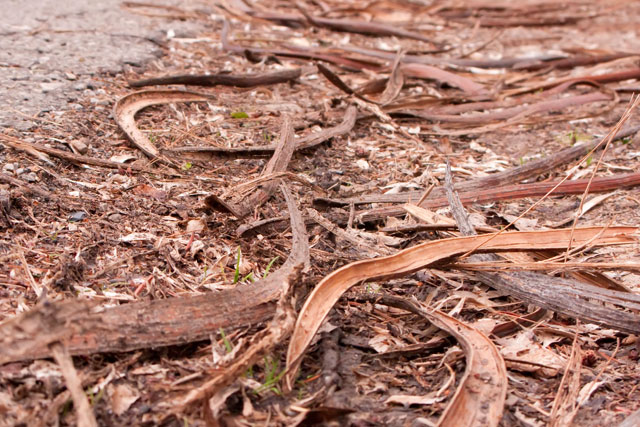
52, 50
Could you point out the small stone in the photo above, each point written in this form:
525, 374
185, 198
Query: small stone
50, 87
20, 171
23, 125
77, 216
363, 164
116, 218
9, 167
79, 146
70, 76
79, 86
30, 177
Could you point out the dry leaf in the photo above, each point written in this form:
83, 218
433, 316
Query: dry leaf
535, 358
408, 400
122, 396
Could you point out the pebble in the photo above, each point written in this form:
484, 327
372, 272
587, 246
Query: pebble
77, 216
79, 146
9, 167
363, 164
30, 177
116, 218
50, 87
79, 86
99, 101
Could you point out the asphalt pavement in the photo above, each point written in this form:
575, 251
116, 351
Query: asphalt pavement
53, 52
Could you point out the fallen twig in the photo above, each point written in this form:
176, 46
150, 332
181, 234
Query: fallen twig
278, 163
84, 412
247, 80
86, 329
306, 142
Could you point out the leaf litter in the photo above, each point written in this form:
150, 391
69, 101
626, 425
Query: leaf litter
167, 301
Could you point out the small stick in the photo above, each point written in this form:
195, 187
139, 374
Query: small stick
84, 412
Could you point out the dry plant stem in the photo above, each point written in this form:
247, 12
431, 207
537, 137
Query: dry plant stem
345, 25
500, 179
28, 147
570, 298
278, 163
303, 143
518, 191
547, 266
513, 326
535, 63
633, 73
246, 81
428, 72
604, 141
34, 286
461, 217
329, 290
86, 329
506, 116
564, 405
295, 52
84, 412
365, 246
340, 84
633, 105
395, 82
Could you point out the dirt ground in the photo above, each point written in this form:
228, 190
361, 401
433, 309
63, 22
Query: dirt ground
147, 253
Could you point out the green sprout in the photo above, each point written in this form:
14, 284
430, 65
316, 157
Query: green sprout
236, 276
94, 398
266, 271
225, 340
271, 376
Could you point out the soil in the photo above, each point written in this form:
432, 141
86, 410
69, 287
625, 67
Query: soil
119, 236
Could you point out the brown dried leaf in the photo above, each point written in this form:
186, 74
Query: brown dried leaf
329, 290
126, 108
